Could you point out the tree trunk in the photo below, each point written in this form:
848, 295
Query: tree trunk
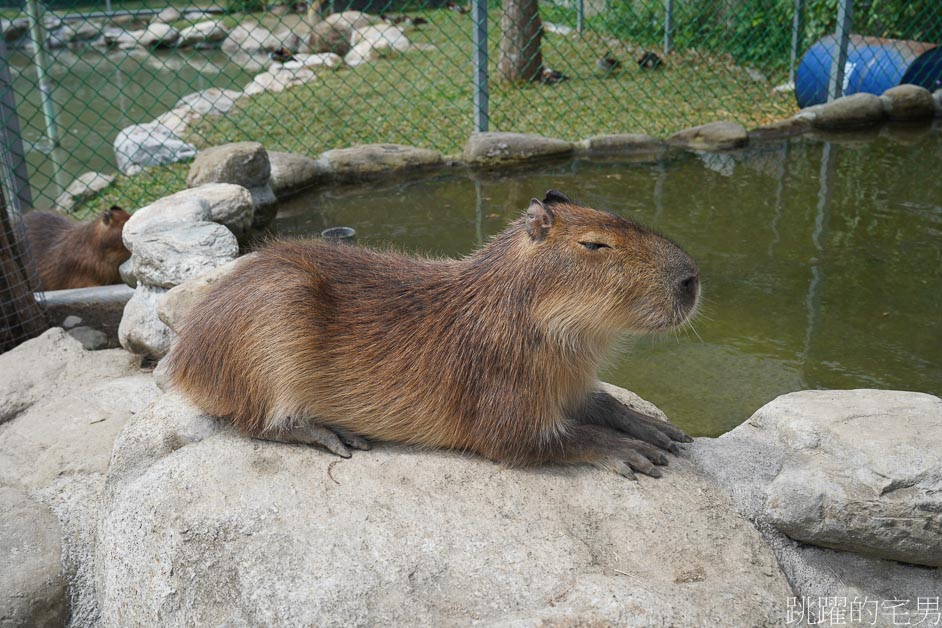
521, 31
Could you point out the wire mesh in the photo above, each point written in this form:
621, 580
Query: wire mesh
22, 316
403, 74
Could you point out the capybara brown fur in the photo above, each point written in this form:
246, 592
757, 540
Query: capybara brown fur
496, 353
73, 254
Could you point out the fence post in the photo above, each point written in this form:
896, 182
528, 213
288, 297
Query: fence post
481, 97
839, 59
668, 25
798, 35
13, 169
37, 31
580, 15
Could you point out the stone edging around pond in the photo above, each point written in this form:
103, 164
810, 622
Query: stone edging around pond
233, 189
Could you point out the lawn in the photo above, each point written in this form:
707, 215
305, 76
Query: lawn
424, 98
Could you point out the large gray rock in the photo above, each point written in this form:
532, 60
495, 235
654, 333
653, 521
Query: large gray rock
279, 78
206, 34
242, 163
780, 129
203, 526
251, 37
169, 15
169, 255
292, 173
145, 145
864, 473
335, 32
140, 331
849, 112
497, 148
908, 102
173, 306
228, 204
164, 211
369, 160
159, 35
622, 143
34, 589
210, 102
83, 189
794, 447
58, 447
712, 136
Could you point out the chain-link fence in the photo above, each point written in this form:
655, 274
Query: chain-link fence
307, 78
21, 314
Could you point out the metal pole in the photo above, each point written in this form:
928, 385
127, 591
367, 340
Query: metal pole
13, 169
839, 60
798, 35
37, 31
580, 15
481, 97
668, 25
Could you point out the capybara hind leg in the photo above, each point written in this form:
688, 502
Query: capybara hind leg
602, 408
333, 439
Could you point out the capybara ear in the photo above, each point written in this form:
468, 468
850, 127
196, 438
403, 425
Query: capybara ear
539, 219
106, 217
555, 196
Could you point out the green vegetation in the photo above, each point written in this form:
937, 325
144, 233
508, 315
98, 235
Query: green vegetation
424, 98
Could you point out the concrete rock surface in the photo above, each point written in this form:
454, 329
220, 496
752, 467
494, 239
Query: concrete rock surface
712, 136
368, 160
497, 147
201, 525
865, 461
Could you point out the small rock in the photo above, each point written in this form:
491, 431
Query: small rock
159, 35
173, 307
168, 255
711, 137
204, 34
91, 339
140, 331
908, 102
169, 15
367, 160
170, 209
145, 145
277, 80
498, 147
71, 321
327, 60
84, 188
849, 112
625, 143
126, 270
246, 37
292, 172
783, 128
210, 102
34, 587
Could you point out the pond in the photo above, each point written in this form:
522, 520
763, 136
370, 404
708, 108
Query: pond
821, 261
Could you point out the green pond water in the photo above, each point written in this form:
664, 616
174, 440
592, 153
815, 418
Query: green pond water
821, 261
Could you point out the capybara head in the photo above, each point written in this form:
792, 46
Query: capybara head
108, 228
610, 271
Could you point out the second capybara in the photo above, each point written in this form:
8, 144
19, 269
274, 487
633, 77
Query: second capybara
73, 254
496, 354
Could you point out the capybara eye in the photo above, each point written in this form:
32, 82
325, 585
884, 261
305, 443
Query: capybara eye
594, 246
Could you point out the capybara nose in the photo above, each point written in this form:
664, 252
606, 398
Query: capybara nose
688, 288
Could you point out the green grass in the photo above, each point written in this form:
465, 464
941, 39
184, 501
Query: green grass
424, 98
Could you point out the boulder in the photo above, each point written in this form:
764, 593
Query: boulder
908, 102
167, 210
327, 60
335, 32
230, 205
203, 526
159, 35
34, 587
780, 129
152, 144
83, 189
498, 147
622, 143
210, 102
291, 173
206, 34
711, 137
369, 160
849, 112
254, 38
172, 307
379, 40
853, 469
168, 255
140, 331
242, 163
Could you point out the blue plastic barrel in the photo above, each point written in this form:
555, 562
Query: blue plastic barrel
874, 65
